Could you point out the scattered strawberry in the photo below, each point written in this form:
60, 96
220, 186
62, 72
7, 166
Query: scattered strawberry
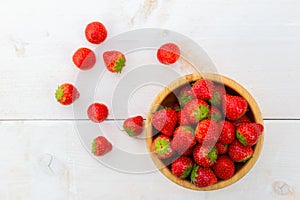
95, 32
235, 107
182, 167
133, 125
182, 119
224, 167
97, 112
221, 148
203, 89
227, 135
161, 147
84, 58
207, 130
238, 152
196, 110
165, 121
219, 92
214, 113
249, 133
243, 119
186, 95
183, 139
203, 177
101, 146
66, 94
205, 156
114, 61
168, 53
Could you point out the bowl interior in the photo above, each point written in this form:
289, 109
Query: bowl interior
167, 98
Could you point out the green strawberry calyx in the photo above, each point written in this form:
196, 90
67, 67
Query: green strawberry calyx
59, 93
241, 138
202, 112
216, 99
188, 128
119, 64
94, 147
184, 99
212, 155
187, 171
162, 146
216, 116
194, 174
129, 131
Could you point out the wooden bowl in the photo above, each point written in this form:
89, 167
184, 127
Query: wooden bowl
167, 98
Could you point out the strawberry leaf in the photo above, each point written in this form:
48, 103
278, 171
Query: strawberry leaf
241, 138
186, 172
129, 132
94, 147
120, 63
59, 93
201, 113
162, 146
194, 174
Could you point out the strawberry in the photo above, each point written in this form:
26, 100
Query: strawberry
203, 177
84, 58
186, 95
238, 152
182, 167
207, 130
249, 133
168, 53
165, 121
114, 61
214, 113
205, 156
224, 167
101, 146
183, 139
95, 32
188, 152
196, 110
221, 148
219, 92
175, 107
66, 94
234, 107
161, 147
182, 119
243, 119
227, 135
203, 89
133, 125
97, 112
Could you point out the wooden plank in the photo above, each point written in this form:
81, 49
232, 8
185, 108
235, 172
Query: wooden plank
45, 160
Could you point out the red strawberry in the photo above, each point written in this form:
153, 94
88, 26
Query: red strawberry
214, 113
84, 58
183, 139
238, 152
196, 110
219, 92
207, 130
168, 53
97, 112
182, 167
95, 32
188, 152
235, 107
114, 61
203, 177
186, 95
224, 167
182, 119
205, 156
165, 121
221, 148
249, 133
203, 89
101, 146
243, 119
66, 94
227, 135
161, 147
133, 125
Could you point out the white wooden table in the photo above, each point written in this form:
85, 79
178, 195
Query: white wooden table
257, 43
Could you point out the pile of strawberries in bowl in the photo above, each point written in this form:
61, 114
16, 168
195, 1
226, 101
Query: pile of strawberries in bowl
205, 134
